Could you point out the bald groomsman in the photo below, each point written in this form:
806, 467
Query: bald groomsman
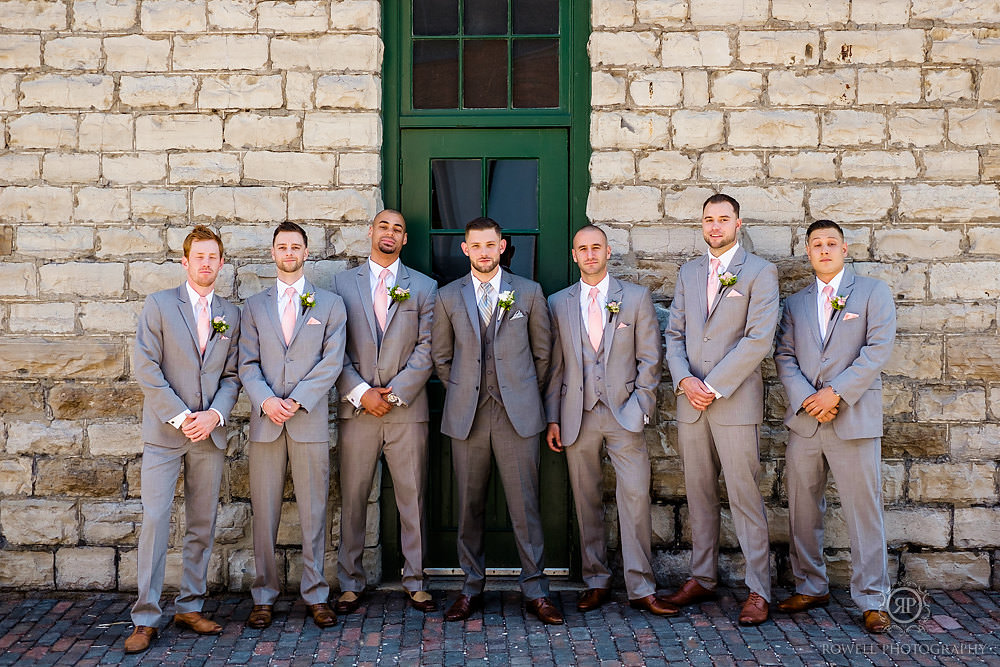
491, 345
836, 336
390, 308
722, 324
291, 353
606, 359
185, 363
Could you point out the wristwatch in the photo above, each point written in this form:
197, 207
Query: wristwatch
392, 399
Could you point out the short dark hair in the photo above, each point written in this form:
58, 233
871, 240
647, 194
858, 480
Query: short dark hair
483, 224
587, 228
390, 211
824, 224
719, 198
287, 226
201, 233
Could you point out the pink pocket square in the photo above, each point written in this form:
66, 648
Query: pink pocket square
732, 294
313, 320
225, 338
850, 316
621, 325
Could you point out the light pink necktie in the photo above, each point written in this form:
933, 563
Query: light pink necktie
204, 326
827, 308
288, 315
382, 299
595, 323
713, 281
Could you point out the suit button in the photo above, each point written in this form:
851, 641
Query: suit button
705, 339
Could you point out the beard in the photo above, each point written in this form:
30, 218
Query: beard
481, 268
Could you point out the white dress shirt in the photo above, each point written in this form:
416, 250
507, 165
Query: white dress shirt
193, 297
299, 286
374, 271
602, 299
821, 300
495, 281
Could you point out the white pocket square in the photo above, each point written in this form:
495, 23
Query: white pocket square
622, 325
313, 320
517, 315
850, 316
733, 293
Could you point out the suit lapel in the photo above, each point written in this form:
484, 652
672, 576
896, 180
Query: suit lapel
469, 295
187, 314
271, 307
734, 268
846, 286
403, 282
365, 290
501, 315
571, 306
702, 273
813, 314
303, 314
213, 335
615, 292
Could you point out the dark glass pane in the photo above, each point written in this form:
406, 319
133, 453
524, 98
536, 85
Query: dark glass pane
435, 74
435, 17
536, 73
450, 262
456, 192
512, 193
485, 17
484, 74
536, 17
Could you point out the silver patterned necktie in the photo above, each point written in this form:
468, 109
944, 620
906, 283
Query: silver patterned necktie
486, 302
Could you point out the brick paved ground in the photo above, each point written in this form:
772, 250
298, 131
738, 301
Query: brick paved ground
88, 630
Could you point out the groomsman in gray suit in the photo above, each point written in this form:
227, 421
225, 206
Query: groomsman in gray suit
836, 336
185, 363
390, 307
291, 353
491, 345
606, 359
722, 324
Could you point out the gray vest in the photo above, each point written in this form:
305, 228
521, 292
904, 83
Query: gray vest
488, 385
594, 373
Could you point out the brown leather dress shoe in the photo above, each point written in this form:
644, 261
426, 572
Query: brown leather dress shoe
260, 616
139, 640
876, 621
463, 607
592, 598
322, 615
654, 605
546, 612
422, 601
754, 610
801, 602
348, 602
195, 621
690, 593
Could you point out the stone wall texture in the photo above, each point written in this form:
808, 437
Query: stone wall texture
124, 122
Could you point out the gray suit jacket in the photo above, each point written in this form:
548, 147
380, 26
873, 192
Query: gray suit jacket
725, 348
171, 371
632, 359
522, 346
404, 359
305, 370
850, 359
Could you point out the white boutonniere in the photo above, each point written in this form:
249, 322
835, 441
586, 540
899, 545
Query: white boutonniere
614, 307
726, 279
308, 300
398, 294
219, 324
505, 300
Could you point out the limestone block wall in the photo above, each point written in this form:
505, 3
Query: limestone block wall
124, 122
882, 115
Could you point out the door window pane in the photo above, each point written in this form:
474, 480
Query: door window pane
536, 17
536, 73
485, 74
519, 257
435, 17
512, 193
456, 192
449, 262
485, 17
435, 74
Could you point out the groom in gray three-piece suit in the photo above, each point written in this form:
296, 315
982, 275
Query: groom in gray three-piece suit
491, 345
185, 363
722, 322
291, 353
606, 359
384, 411
836, 336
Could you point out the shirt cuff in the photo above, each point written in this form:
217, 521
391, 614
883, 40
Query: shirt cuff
178, 421
712, 389
222, 422
355, 396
